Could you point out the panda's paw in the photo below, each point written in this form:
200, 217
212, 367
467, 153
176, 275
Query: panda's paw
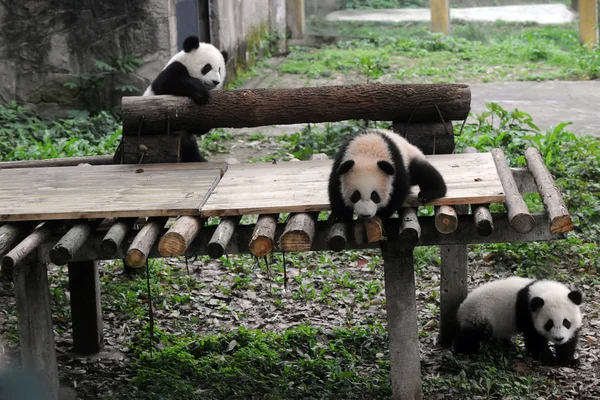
425, 196
573, 363
200, 98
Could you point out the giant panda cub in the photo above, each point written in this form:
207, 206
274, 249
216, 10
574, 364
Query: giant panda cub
193, 72
543, 310
372, 175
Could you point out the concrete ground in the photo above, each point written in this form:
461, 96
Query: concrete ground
539, 13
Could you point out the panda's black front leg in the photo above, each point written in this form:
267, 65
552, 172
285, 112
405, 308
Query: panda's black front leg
537, 346
428, 178
197, 91
467, 340
565, 353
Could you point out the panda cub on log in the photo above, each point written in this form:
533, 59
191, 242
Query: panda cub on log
543, 310
372, 175
193, 72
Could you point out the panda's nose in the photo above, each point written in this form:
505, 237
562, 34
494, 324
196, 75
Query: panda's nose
364, 216
559, 339
216, 82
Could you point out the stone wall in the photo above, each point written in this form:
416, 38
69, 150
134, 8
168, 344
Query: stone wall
46, 43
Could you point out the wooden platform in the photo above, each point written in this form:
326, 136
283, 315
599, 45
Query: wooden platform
184, 189
106, 191
302, 186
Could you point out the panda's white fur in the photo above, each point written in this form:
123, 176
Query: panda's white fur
543, 310
380, 165
195, 61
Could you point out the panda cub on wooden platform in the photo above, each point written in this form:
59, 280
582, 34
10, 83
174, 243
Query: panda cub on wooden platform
543, 310
372, 175
193, 72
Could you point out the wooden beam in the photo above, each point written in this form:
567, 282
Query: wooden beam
401, 308
446, 220
63, 252
338, 236
180, 235
558, 212
410, 230
29, 244
138, 252
116, 234
299, 233
86, 308
588, 22
36, 336
518, 213
220, 239
483, 219
58, 162
431, 138
466, 233
259, 107
263, 236
440, 16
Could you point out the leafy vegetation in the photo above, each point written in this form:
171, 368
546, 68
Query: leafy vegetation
410, 53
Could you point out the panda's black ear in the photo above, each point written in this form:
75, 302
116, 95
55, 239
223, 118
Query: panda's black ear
386, 167
345, 167
191, 43
536, 303
575, 296
225, 55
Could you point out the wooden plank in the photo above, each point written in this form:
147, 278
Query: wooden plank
36, 336
106, 191
301, 186
58, 162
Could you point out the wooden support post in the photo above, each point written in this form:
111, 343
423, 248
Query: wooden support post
176, 241
263, 236
402, 321
588, 22
518, 214
440, 16
453, 289
36, 336
558, 212
296, 25
220, 239
86, 308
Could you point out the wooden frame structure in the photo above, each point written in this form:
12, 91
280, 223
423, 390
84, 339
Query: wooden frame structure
422, 113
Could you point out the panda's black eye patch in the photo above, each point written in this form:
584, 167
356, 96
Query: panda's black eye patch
549, 325
207, 68
567, 323
355, 196
375, 197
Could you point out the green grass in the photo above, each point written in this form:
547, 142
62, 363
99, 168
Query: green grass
474, 52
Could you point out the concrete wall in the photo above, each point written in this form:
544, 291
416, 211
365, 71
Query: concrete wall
45, 43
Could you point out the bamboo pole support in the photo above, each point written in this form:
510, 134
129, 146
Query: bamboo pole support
337, 237
116, 234
558, 212
63, 251
138, 252
179, 237
29, 244
518, 214
263, 236
446, 220
220, 239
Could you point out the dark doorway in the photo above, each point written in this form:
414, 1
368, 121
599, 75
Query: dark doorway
192, 19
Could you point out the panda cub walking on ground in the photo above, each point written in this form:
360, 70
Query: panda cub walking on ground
372, 175
193, 72
543, 310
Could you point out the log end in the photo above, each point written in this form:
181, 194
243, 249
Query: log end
261, 246
60, 255
446, 223
8, 262
135, 258
108, 247
522, 222
374, 229
485, 228
172, 244
561, 224
295, 241
409, 236
215, 250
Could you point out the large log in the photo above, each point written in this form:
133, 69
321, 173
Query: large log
259, 107
220, 239
180, 235
64, 250
558, 212
299, 233
29, 244
261, 242
115, 235
142, 244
